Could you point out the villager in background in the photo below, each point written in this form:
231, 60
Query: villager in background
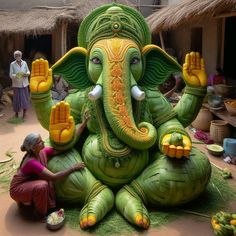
217, 78
19, 73
173, 84
59, 88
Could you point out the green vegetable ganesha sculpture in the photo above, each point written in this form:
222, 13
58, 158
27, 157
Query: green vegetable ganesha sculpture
135, 147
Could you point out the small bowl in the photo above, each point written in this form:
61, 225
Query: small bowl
57, 225
215, 149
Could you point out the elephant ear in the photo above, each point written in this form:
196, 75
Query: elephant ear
158, 66
72, 67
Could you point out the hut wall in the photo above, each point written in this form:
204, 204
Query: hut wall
59, 41
9, 43
210, 45
181, 41
56, 44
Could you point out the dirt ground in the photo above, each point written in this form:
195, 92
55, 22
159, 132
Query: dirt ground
12, 223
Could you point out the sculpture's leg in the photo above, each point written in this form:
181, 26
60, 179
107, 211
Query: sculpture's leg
170, 182
165, 182
131, 206
99, 202
82, 187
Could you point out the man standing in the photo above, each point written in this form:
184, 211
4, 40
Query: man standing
19, 73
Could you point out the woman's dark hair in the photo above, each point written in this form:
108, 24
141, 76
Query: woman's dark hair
28, 144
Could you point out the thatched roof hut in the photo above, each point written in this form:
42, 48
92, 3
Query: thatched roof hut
42, 27
188, 11
35, 21
206, 26
41, 19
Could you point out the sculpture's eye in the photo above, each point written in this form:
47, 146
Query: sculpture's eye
134, 61
96, 60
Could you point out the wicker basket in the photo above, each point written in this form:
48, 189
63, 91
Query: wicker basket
219, 130
230, 105
203, 120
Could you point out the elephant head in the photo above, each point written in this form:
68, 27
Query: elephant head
116, 58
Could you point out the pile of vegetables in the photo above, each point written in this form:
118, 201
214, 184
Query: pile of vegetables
56, 217
224, 224
226, 174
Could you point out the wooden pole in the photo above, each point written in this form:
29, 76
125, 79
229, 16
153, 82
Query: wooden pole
162, 40
63, 38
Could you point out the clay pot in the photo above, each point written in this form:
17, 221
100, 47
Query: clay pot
203, 120
219, 130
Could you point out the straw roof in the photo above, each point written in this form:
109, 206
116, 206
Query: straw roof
188, 11
43, 19
34, 21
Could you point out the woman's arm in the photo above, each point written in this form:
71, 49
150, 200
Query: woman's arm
83, 124
50, 151
48, 175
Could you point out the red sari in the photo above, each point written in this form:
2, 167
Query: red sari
29, 188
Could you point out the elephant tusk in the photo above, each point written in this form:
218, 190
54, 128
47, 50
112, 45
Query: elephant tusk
137, 93
95, 93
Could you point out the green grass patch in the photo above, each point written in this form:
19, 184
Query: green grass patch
115, 224
15, 120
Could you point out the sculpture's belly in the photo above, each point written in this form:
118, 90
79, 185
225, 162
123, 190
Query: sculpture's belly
112, 171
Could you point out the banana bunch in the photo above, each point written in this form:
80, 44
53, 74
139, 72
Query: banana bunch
56, 217
224, 224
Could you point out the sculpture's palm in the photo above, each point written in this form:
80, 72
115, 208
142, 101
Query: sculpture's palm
176, 150
41, 76
194, 70
62, 125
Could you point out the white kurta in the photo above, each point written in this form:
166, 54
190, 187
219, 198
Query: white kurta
16, 74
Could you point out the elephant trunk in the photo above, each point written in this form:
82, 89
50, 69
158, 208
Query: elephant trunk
118, 109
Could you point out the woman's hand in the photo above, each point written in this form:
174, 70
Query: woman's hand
78, 166
41, 77
86, 116
194, 70
62, 125
48, 175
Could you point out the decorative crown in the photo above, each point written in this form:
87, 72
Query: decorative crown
113, 20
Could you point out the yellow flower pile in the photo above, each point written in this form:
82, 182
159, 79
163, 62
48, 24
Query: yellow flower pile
224, 224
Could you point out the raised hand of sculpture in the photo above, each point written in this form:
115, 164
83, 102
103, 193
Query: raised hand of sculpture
136, 141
